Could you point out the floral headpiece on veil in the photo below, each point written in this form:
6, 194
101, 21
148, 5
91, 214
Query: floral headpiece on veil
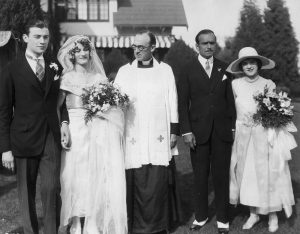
66, 54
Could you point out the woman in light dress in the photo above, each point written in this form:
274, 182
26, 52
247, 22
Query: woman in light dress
253, 180
92, 169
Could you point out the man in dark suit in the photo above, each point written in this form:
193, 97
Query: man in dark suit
30, 132
207, 117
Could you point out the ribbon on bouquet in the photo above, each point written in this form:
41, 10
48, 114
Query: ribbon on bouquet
281, 142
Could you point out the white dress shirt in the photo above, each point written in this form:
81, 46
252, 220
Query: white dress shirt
203, 62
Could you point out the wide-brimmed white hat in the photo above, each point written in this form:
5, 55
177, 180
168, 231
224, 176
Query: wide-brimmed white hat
249, 52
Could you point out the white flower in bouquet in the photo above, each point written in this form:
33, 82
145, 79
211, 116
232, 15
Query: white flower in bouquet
101, 97
274, 109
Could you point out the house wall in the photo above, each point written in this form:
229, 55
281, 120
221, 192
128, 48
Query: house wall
92, 28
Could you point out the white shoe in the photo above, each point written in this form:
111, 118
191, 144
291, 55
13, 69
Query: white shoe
273, 223
251, 221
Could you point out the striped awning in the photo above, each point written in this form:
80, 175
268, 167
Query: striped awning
4, 37
123, 41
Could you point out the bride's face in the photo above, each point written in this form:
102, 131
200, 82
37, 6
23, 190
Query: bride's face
82, 55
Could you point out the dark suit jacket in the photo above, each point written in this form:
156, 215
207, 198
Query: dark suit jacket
28, 109
204, 101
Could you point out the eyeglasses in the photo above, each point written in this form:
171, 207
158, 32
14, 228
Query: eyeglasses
139, 47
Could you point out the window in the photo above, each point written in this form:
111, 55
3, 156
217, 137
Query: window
94, 10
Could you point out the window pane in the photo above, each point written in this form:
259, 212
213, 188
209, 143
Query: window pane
103, 9
93, 10
82, 9
71, 10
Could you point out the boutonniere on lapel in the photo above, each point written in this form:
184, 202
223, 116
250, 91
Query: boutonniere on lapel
224, 77
55, 68
219, 69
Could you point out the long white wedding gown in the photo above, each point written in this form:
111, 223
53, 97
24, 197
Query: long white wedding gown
92, 172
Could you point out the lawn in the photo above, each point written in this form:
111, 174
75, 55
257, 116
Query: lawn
10, 219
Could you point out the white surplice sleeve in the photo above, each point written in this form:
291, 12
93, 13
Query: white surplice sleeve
172, 95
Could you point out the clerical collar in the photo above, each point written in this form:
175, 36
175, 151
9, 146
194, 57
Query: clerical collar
141, 65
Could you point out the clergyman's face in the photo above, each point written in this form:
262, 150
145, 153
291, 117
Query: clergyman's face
37, 40
250, 67
142, 48
207, 45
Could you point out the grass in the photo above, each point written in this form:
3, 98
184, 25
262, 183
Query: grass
10, 218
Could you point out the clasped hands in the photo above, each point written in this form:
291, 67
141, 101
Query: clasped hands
65, 136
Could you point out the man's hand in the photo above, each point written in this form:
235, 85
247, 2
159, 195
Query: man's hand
8, 160
65, 136
190, 140
173, 140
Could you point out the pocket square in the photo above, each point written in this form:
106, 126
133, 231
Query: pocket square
56, 77
224, 77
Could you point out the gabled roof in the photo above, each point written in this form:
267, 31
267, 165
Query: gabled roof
151, 13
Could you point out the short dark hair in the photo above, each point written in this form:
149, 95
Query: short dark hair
36, 22
204, 31
150, 35
259, 63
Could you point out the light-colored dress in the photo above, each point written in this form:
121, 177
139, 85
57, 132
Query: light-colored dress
92, 171
259, 177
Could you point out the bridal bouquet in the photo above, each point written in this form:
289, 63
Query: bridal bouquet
274, 109
101, 97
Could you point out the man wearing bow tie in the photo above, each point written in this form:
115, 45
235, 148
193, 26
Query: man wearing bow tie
150, 136
207, 117
30, 129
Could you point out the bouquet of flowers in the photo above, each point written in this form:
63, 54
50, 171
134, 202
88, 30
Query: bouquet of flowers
101, 97
274, 109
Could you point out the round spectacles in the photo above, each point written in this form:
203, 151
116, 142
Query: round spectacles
139, 47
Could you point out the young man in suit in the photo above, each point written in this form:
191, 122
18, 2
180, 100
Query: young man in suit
30, 132
207, 117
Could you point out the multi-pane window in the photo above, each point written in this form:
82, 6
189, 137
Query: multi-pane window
83, 9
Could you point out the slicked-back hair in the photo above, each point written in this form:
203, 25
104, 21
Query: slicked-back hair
36, 22
150, 35
204, 31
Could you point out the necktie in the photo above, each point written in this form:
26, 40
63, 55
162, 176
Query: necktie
207, 68
40, 72
39, 69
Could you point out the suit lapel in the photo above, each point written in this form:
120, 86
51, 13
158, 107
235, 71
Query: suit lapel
48, 78
216, 74
204, 74
30, 76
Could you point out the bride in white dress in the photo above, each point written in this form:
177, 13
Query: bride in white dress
92, 170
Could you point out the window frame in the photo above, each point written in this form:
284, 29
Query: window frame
88, 12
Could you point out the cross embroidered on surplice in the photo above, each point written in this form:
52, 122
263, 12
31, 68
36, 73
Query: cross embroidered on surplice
132, 141
160, 138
